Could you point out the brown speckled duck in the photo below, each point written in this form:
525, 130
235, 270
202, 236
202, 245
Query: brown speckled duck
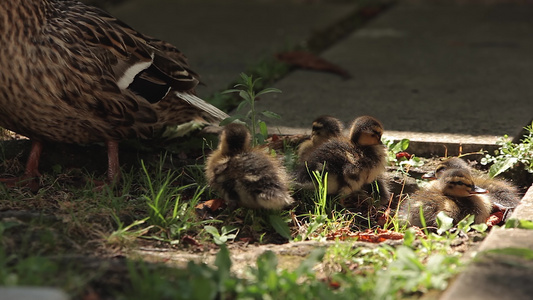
350, 163
324, 128
72, 73
503, 194
246, 176
454, 193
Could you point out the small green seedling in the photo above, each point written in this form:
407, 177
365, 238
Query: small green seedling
246, 90
224, 235
510, 154
397, 156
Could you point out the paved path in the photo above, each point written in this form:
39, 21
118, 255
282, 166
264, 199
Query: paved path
224, 38
429, 71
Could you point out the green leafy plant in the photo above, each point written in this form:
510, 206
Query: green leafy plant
279, 223
224, 235
397, 156
510, 154
518, 223
410, 272
247, 92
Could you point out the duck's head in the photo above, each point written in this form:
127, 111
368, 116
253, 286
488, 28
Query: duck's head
366, 131
459, 183
448, 164
326, 127
234, 139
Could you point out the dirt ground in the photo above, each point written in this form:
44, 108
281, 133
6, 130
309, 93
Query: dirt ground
56, 223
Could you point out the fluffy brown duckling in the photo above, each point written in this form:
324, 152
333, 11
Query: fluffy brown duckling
324, 128
503, 194
454, 193
350, 163
244, 176
72, 73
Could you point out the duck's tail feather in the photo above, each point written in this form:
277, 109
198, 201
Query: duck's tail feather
203, 105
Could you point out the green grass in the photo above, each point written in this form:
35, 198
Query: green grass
160, 212
89, 240
72, 232
512, 156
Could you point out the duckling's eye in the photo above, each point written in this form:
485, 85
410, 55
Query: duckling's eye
441, 169
458, 183
461, 183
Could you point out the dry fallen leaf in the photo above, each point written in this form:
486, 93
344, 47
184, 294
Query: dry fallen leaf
495, 219
308, 60
213, 204
371, 236
189, 240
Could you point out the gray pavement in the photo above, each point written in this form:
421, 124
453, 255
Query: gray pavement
431, 71
442, 69
224, 38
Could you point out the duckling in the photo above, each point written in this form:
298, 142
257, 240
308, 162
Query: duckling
324, 128
245, 176
454, 193
72, 73
350, 163
503, 194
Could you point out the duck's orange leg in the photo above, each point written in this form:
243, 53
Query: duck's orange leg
31, 172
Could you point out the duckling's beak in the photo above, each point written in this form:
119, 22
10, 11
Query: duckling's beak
477, 190
430, 176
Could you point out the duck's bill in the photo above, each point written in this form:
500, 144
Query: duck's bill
478, 190
429, 176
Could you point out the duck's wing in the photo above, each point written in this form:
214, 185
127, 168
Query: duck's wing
129, 67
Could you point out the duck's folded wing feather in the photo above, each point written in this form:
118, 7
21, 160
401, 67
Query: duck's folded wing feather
126, 59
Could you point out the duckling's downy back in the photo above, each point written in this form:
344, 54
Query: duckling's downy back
244, 176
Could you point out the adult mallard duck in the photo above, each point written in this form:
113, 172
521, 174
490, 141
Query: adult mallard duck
503, 194
323, 129
350, 163
454, 193
72, 73
246, 176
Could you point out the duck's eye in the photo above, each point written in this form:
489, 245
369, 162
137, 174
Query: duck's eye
441, 169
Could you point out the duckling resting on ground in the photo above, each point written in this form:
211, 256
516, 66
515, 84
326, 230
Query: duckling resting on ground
245, 176
454, 193
324, 128
503, 194
350, 163
72, 73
